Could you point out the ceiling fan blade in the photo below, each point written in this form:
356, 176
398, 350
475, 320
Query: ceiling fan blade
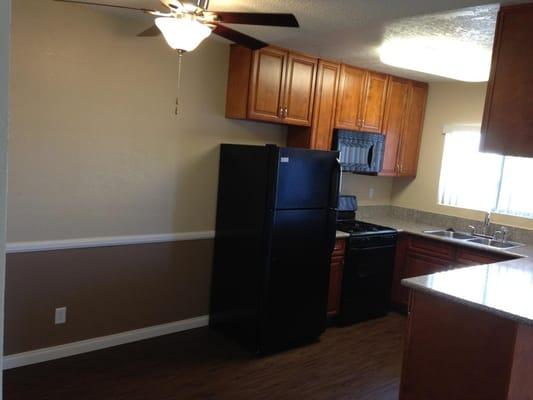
269, 19
239, 37
146, 10
152, 31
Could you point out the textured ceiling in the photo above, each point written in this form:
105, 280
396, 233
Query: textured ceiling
352, 30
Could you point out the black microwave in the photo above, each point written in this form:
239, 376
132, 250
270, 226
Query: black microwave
360, 152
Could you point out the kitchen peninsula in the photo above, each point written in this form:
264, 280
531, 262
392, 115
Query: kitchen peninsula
470, 334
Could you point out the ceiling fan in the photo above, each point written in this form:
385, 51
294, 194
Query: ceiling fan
188, 22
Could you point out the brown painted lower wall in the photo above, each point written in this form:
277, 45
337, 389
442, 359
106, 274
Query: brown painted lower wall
107, 290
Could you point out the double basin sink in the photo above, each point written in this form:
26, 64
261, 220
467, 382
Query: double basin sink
486, 241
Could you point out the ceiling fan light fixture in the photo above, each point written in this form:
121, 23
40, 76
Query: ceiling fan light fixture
184, 34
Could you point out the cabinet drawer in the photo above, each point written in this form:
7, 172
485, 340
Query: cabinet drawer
433, 248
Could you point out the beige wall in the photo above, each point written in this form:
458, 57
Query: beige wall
96, 149
448, 103
360, 185
5, 17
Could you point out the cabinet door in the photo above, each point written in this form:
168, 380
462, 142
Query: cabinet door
397, 93
325, 101
299, 90
267, 84
349, 98
508, 116
373, 102
416, 264
467, 257
335, 286
412, 134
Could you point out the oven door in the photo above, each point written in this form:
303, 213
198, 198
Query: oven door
367, 279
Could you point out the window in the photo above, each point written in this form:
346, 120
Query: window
481, 181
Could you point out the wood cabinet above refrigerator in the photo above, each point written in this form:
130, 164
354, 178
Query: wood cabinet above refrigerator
271, 85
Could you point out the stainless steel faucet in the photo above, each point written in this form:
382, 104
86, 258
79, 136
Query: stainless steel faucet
486, 224
503, 233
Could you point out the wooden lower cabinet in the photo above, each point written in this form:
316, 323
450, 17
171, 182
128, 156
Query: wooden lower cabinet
335, 279
416, 256
416, 264
466, 257
454, 351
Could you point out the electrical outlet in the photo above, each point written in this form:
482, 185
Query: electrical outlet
61, 315
371, 193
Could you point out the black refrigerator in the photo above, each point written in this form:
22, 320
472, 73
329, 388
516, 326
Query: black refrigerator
275, 232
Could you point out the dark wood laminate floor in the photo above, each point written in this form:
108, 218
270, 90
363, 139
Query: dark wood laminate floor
361, 362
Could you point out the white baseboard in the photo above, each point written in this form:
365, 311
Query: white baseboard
85, 346
84, 243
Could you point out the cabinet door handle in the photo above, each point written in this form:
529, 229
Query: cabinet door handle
286, 112
280, 113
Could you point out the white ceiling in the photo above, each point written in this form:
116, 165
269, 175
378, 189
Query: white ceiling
352, 30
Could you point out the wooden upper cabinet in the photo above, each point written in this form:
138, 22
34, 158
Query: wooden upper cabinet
412, 133
320, 135
272, 85
402, 126
393, 124
325, 102
351, 87
299, 89
315, 97
373, 102
267, 85
507, 126
361, 100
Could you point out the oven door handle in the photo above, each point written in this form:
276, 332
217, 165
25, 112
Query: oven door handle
361, 249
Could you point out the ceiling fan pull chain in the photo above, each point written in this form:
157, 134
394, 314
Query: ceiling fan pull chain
180, 57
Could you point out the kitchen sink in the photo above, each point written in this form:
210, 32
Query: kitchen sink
451, 234
496, 243
486, 241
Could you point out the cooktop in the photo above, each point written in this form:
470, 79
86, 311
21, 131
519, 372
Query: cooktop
354, 227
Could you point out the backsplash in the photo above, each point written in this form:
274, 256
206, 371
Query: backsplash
441, 221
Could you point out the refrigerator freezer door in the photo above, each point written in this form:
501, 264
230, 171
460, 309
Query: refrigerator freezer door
307, 179
298, 277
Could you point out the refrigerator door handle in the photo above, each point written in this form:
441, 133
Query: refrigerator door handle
332, 229
335, 184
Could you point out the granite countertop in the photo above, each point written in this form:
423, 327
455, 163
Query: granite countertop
503, 288
413, 228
